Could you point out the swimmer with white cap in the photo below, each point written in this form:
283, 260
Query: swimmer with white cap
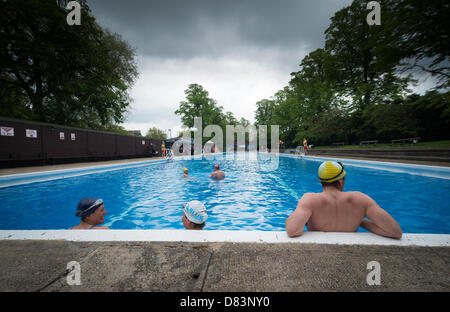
336, 211
194, 215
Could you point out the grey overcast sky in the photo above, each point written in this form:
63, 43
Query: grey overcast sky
240, 51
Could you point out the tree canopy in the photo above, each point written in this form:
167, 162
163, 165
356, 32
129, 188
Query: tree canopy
53, 72
357, 87
199, 104
155, 133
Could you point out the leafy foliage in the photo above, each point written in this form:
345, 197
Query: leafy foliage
356, 87
155, 133
199, 104
70, 75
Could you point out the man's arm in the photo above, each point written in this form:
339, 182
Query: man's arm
380, 222
297, 220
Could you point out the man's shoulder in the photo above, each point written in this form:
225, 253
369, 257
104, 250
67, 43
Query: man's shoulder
356, 195
311, 196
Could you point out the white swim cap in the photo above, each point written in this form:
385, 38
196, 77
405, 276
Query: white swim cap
195, 211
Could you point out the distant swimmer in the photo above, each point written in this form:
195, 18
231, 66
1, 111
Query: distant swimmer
336, 211
217, 174
185, 172
194, 215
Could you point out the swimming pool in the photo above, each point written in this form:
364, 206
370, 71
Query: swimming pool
150, 196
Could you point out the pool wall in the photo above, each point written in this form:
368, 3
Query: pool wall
338, 238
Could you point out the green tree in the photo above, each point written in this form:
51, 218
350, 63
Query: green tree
72, 75
355, 88
244, 122
433, 112
315, 93
155, 133
420, 29
230, 119
264, 112
365, 57
198, 104
115, 128
393, 120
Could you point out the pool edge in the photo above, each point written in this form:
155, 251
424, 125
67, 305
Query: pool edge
330, 238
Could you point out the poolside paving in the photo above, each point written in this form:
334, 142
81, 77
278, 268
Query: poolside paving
36, 266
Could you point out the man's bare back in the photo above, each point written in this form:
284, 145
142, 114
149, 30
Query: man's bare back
336, 211
217, 174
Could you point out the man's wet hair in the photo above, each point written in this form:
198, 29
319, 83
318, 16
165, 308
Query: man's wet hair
334, 184
199, 226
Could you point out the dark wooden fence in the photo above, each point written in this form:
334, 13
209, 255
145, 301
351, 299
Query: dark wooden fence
25, 143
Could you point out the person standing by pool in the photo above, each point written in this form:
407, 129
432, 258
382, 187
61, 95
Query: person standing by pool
194, 215
305, 145
92, 212
336, 211
217, 174
163, 150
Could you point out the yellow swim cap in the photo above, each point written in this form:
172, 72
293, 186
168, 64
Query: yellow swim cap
330, 171
185, 169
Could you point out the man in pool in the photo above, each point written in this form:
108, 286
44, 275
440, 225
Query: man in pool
185, 172
217, 174
92, 212
194, 215
336, 211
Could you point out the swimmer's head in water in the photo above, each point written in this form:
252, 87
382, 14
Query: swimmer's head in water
185, 170
330, 171
216, 166
87, 206
195, 212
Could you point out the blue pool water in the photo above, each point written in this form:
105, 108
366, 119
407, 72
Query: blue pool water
250, 198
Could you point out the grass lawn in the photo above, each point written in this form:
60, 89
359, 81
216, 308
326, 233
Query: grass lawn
435, 144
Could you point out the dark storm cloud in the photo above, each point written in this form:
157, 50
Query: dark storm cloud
196, 28
240, 50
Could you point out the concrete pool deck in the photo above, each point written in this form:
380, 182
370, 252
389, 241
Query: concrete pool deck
337, 262
38, 265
